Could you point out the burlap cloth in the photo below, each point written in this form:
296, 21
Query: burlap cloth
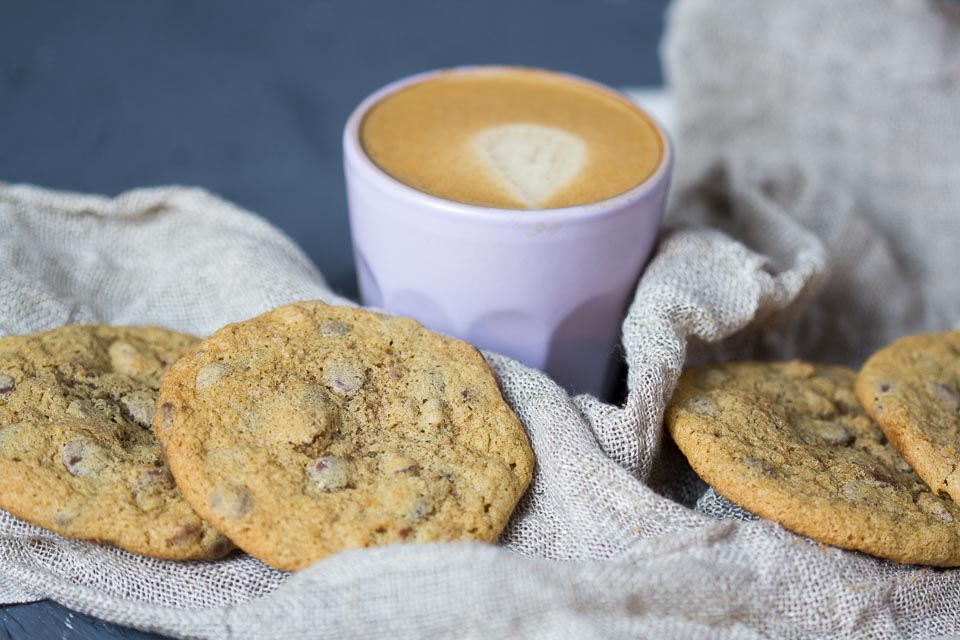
815, 135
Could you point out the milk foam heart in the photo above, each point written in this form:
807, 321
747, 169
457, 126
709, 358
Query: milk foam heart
532, 160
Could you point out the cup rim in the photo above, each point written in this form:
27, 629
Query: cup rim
354, 153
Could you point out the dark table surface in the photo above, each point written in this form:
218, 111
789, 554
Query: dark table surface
248, 100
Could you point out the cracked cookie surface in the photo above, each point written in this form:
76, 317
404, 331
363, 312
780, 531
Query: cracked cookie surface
312, 429
912, 389
77, 451
790, 442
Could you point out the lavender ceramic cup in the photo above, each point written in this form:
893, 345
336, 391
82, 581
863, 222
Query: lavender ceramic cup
547, 287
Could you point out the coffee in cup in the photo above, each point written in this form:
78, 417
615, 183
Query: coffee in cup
510, 207
512, 138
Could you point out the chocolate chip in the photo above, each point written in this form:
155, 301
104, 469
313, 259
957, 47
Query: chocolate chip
343, 377
884, 387
209, 374
7, 385
141, 407
221, 547
328, 474
311, 417
232, 501
83, 458
185, 534
881, 476
830, 432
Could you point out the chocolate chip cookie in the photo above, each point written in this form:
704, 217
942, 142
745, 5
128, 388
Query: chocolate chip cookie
312, 428
912, 389
77, 452
790, 442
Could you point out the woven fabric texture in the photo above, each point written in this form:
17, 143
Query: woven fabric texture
815, 203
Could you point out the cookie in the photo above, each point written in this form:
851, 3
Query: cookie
77, 452
912, 390
790, 442
312, 429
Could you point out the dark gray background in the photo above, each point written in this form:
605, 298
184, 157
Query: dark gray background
248, 99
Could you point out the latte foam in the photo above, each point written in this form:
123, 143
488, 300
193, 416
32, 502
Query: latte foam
532, 160
512, 138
